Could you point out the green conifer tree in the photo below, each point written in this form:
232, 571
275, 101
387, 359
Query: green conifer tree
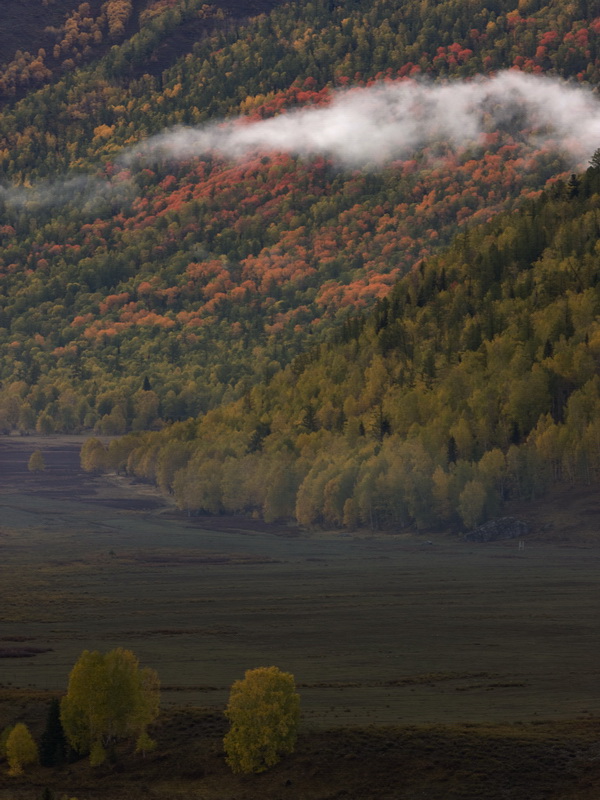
53, 745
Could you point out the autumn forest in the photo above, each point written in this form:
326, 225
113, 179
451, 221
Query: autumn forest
401, 344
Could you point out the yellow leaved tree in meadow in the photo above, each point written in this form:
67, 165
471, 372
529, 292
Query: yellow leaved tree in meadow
20, 748
109, 698
264, 709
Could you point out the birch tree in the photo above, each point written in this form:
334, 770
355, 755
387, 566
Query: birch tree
109, 698
264, 709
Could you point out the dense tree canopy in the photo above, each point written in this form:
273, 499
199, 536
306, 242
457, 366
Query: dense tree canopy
475, 380
203, 278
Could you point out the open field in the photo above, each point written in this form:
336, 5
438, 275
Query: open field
380, 629
428, 668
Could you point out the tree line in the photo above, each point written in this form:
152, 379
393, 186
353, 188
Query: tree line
476, 380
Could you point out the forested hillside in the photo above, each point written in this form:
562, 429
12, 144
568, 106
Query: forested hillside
475, 380
41, 40
153, 292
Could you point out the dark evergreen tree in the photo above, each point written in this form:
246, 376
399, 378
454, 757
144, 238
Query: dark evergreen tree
381, 425
573, 186
309, 419
452, 450
259, 434
595, 160
53, 745
569, 327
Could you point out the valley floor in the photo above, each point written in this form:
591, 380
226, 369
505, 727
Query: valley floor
485, 656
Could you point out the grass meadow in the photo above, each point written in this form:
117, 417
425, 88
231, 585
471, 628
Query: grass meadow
380, 631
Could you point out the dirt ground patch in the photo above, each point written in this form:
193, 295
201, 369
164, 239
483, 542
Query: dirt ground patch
546, 761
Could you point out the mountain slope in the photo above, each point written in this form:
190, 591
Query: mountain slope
474, 381
42, 40
179, 285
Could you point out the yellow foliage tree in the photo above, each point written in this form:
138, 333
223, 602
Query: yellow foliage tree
93, 455
109, 698
264, 709
20, 749
36, 463
471, 503
103, 132
118, 13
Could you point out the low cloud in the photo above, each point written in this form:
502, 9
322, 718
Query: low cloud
388, 121
363, 127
